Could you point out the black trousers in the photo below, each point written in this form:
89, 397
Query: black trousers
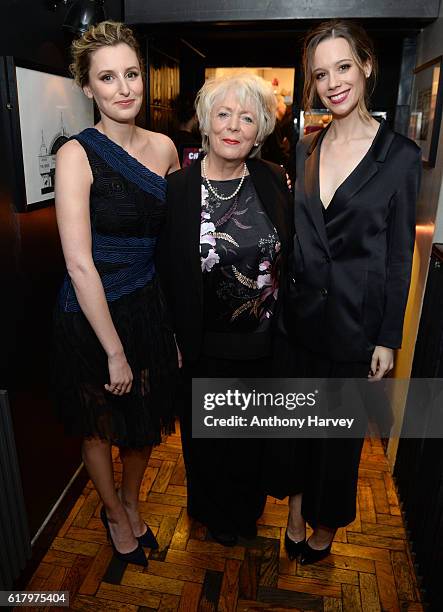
224, 476
324, 470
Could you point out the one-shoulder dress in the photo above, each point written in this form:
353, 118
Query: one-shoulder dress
127, 212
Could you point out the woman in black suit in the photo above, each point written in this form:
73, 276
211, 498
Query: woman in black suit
355, 197
220, 260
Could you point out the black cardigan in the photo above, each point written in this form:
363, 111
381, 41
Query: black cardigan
178, 260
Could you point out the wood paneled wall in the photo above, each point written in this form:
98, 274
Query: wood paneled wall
164, 87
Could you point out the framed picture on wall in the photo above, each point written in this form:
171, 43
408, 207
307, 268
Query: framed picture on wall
46, 109
426, 108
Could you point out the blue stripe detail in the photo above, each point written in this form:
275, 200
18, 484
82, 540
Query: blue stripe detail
121, 161
134, 261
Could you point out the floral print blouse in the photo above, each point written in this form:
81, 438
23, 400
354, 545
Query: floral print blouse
239, 252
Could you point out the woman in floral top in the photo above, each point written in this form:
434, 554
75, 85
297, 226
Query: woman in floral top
220, 264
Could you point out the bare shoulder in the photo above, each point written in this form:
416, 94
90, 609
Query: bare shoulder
72, 152
72, 168
165, 149
161, 141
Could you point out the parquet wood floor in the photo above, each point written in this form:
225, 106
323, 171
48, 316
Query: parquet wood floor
369, 570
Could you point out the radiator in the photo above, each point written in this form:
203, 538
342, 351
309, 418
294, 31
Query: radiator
15, 542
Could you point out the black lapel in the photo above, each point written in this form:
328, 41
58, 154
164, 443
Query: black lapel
312, 200
358, 178
367, 168
271, 196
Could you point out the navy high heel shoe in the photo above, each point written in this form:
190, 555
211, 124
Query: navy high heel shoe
293, 548
136, 556
148, 539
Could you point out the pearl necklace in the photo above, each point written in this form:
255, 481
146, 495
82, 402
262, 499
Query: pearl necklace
214, 191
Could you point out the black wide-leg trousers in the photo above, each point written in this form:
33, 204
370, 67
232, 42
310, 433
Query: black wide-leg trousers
224, 476
325, 470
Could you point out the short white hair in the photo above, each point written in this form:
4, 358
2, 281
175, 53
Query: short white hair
247, 87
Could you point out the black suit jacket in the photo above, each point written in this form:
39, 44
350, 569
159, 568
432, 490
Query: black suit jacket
178, 260
348, 288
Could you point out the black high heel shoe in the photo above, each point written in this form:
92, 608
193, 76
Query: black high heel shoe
312, 555
148, 539
293, 548
136, 556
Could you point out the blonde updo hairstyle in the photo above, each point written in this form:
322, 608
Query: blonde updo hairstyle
104, 34
248, 88
362, 50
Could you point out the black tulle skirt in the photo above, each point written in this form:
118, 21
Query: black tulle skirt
80, 371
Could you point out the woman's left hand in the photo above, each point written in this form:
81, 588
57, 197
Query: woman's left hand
382, 362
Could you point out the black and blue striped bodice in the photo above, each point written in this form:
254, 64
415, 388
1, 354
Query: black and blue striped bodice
127, 210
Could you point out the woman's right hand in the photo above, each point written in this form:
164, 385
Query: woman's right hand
120, 375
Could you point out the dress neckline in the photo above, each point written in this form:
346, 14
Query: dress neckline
133, 160
353, 171
122, 162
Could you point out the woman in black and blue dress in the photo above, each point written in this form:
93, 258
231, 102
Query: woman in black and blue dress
115, 355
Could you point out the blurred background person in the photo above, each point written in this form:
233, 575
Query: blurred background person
276, 147
187, 136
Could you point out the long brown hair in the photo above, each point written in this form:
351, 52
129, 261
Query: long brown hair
362, 50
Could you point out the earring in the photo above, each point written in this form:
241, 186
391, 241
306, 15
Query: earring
256, 144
